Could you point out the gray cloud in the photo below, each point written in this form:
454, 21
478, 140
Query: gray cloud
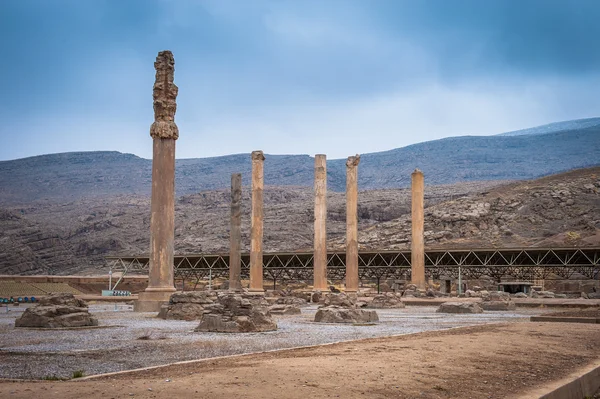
337, 76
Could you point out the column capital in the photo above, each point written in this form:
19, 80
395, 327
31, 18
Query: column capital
353, 161
258, 155
164, 95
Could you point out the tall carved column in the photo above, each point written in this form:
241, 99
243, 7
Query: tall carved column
235, 245
320, 253
417, 260
256, 229
352, 223
164, 132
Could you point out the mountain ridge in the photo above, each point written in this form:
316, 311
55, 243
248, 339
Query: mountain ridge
73, 175
555, 127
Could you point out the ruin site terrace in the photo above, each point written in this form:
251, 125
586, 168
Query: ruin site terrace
422, 322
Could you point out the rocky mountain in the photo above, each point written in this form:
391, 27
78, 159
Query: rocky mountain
82, 232
576, 124
74, 237
556, 211
72, 176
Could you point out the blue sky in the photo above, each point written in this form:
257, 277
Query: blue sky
334, 77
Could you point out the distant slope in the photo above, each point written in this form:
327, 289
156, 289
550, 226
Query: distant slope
576, 124
74, 237
69, 176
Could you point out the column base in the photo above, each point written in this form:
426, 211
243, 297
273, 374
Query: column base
151, 300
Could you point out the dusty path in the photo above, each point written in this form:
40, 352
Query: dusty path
491, 361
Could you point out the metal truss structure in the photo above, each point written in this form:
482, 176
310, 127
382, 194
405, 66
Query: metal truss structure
522, 264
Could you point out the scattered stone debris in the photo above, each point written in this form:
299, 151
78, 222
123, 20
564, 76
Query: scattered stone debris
187, 305
342, 308
284, 309
316, 297
480, 293
55, 311
411, 291
431, 293
389, 300
290, 300
498, 301
237, 313
543, 294
460, 307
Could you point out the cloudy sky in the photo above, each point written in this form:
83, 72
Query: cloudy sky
327, 76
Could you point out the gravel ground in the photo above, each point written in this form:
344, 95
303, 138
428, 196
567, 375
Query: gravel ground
132, 340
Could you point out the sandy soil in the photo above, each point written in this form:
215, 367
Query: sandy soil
134, 340
491, 361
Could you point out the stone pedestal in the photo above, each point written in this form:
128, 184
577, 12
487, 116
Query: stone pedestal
418, 239
235, 313
235, 251
164, 132
352, 223
320, 238
256, 229
342, 308
151, 301
57, 310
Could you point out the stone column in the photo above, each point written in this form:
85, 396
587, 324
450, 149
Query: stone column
235, 247
320, 252
256, 229
417, 259
164, 132
352, 223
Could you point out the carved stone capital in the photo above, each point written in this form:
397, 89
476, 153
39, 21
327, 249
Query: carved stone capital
164, 130
258, 156
352, 162
165, 95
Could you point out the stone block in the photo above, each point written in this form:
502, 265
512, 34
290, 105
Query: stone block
284, 310
334, 314
234, 313
56, 311
386, 301
459, 307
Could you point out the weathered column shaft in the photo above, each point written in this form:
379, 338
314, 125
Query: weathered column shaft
320, 252
162, 219
418, 240
352, 223
256, 229
164, 132
235, 245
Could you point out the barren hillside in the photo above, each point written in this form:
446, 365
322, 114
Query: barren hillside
559, 210
75, 237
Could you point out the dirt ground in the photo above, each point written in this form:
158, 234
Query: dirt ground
490, 361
